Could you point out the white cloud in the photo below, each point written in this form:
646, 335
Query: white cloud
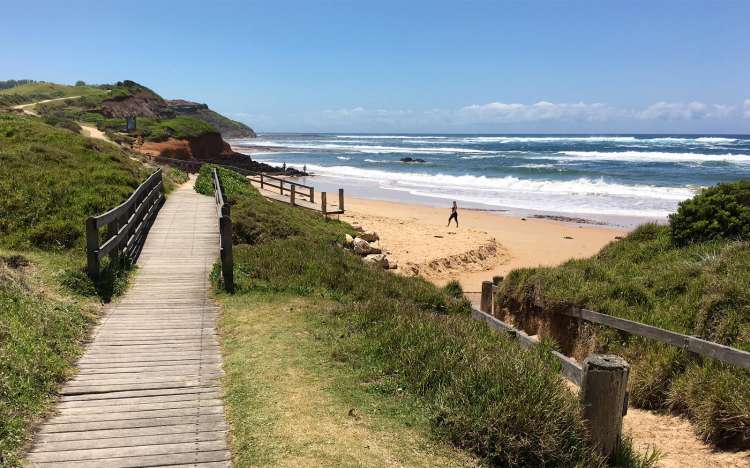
540, 111
538, 116
686, 111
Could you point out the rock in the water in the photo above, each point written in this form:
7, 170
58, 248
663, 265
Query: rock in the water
409, 159
348, 241
378, 259
370, 236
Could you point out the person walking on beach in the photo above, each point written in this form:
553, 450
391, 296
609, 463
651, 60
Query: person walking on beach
454, 214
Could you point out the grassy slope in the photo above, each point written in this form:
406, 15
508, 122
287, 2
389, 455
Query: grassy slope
701, 290
41, 91
51, 180
291, 405
399, 340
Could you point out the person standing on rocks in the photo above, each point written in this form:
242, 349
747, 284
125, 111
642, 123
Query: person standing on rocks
454, 214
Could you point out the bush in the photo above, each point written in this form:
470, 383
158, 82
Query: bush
453, 288
719, 212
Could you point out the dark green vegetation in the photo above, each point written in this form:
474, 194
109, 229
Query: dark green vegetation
719, 212
700, 289
229, 128
405, 337
51, 180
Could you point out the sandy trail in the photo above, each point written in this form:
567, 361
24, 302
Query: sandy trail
416, 235
29, 108
93, 132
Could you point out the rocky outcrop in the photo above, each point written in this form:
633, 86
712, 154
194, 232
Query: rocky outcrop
362, 247
134, 99
229, 128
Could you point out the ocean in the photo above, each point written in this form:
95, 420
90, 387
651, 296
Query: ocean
594, 176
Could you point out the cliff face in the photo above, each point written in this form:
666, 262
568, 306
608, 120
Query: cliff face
229, 128
204, 147
134, 99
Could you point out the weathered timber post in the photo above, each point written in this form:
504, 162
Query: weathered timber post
604, 399
312, 195
323, 202
341, 199
485, 304
281, 186
292, 194
227, 258
92, 248
261, 180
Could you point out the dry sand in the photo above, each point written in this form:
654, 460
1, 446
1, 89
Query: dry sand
484, 245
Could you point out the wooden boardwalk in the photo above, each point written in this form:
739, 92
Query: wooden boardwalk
148, 390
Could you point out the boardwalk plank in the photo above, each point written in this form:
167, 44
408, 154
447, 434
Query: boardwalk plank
148, 388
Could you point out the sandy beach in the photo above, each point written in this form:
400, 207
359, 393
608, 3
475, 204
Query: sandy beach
485, 244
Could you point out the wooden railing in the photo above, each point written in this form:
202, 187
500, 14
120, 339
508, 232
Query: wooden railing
223, 212
285, 187
126, 226
603, 380
692, 344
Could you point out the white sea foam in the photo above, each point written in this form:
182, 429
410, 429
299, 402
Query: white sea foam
650, 156
392, 137
343, 158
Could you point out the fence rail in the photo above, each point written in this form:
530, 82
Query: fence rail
127, 225
692, 344
286, 188
603, 381
223, 212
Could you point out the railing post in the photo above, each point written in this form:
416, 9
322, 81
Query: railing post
312, 195
227, 257
323, 202
292, 194
92, 248
604, 399
485, 304
261, 180
341, 199
281, 186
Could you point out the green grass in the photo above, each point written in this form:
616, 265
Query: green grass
42, 91
51, 180
178, 127
700, 289
290, 403
405, 338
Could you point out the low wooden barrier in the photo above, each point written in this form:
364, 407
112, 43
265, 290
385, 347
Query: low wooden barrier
603, 379
223, 212
692, 344
127, 225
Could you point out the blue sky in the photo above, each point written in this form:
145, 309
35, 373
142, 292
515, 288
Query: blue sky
433, 66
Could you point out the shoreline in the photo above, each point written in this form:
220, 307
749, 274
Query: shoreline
486, 244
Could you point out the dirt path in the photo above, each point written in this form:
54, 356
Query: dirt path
93, 132
674, 436
28, 108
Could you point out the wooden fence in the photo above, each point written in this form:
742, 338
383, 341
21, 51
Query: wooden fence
298, 194
126, 226
692, 344
223, 212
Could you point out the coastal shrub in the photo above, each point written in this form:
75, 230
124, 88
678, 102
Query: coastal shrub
453, 288
700, 289
718, 212
486, 394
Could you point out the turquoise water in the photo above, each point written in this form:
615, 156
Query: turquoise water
629, 175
